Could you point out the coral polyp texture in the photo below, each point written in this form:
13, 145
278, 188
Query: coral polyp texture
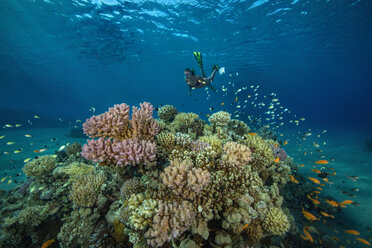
174, 182
122, 141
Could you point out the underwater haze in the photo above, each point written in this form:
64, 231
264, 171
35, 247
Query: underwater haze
290, 105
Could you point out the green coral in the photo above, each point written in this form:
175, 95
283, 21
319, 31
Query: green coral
85, 189
33, 215
276, 222
74, 169
262, 155
214, 142
41, 166
167, 113
220, 118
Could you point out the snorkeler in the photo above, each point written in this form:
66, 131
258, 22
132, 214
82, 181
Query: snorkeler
197, 82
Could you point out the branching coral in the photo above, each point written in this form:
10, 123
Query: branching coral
167, 141
170, 221
40, 167
184, 180
128, 141
125, 152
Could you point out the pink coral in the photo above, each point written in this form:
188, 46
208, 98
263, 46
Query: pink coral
185, 180
115, 123
128, 141
170, 221
132, 152
125, 152
112, 123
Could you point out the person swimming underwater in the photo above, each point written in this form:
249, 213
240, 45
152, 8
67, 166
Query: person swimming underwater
197, 82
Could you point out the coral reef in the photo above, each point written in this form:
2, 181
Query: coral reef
41, 166
221, 118
276, 222
84, 192
184, 180
167, 113
173, 182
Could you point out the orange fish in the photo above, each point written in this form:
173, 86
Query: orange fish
252, 134
236, 99
41, 150
308, 236
314, 180
352, 232
293, 179
275, 145
48, 243
335, 238
308, 215
327, 215
285, 142
333, 203
277, 160
334, 173
325, 179
363, 241
315, 202
245, 226
316, 192
208, 115
317, 171
222, 103
322, 162
346, 202
319, 188
301, 165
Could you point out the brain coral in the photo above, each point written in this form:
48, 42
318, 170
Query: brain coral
221, 118
276, 222
167, 113
40, 166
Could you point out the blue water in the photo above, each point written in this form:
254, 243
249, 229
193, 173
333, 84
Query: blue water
61, 57
58, 59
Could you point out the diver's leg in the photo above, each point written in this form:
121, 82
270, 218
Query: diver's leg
199, 58
189, 90
211, 77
